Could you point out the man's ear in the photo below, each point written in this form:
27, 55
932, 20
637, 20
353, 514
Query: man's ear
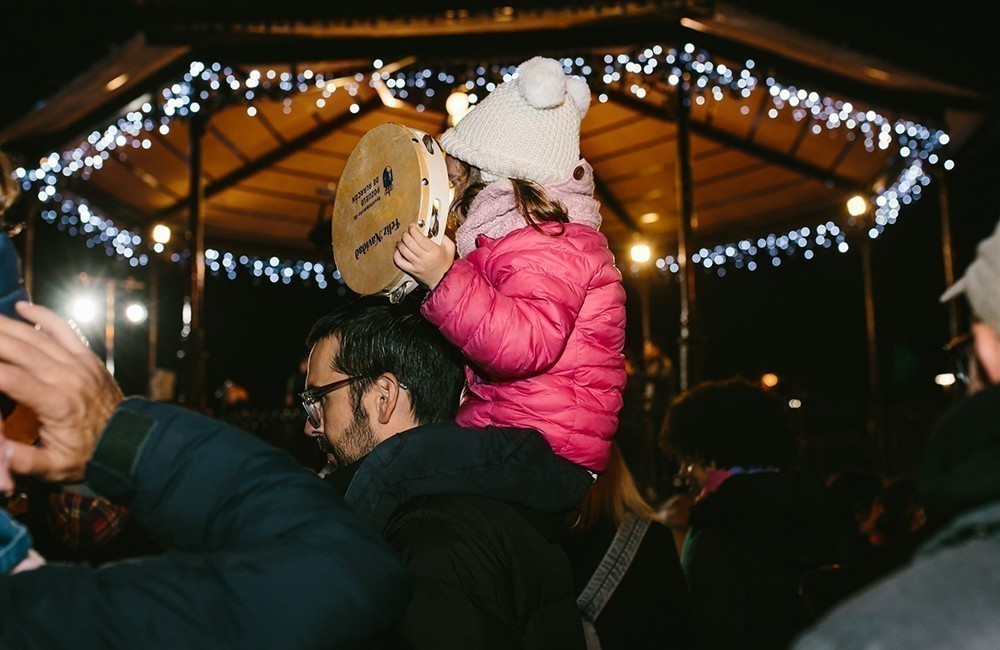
987, 342
388, 394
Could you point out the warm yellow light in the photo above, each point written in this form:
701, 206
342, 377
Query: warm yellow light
161, 234
769, 380
945, 379
388, 100
794, 404
649, 217
457, 105
503, 14
696, 25
857, 206
640, 253
116, 83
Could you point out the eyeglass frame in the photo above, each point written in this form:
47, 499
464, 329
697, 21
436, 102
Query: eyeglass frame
961, 354
311, 398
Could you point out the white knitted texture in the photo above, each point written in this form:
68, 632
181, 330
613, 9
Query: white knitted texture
982, 281
507, 138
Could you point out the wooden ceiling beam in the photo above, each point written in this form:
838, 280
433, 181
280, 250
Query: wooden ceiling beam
710, 133
616, 206
245, 47
109, 206
792, 218
99, 118
281, 152
230, 43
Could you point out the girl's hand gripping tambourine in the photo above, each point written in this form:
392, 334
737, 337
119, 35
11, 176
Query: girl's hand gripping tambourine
395, 176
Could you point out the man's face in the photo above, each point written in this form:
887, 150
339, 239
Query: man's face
986, 341
344, 434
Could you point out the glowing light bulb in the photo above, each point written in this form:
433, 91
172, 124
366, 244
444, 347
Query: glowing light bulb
457, 105
161, 234
640, 253
136, 313
857, 206
945, 379
83, 309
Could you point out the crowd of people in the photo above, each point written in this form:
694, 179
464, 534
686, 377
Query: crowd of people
473, 493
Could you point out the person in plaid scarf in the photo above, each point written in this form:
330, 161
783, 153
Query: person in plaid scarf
263, 555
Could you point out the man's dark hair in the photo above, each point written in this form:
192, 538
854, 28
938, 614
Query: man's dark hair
376, 336
732, 422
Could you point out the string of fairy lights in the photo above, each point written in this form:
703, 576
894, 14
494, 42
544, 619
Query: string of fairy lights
212, 86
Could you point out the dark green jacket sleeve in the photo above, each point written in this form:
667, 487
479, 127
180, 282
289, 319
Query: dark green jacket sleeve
265, 555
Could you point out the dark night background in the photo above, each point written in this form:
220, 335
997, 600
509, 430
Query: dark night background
803, 321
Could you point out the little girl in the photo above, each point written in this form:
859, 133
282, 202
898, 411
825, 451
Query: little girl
534, 301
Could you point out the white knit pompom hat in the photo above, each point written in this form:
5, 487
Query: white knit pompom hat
527, 128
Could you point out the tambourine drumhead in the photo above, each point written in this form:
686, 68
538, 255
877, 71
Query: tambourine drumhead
395, 176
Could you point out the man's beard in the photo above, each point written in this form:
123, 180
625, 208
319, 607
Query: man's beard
356, 442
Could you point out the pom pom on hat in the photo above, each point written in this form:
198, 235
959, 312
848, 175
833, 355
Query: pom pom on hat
580, 92
527, 128
542, 82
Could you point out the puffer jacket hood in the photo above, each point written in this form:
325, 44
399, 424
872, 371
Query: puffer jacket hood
540, 319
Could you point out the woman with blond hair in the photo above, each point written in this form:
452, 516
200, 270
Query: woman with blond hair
626, 569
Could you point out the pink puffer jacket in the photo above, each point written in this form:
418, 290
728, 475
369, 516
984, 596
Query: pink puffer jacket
540, 320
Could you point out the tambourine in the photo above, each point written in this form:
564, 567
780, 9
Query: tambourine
395, 176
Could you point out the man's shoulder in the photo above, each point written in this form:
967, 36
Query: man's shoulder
483, 573
479, 546
462, 534
444, 521
458, 511
907, 609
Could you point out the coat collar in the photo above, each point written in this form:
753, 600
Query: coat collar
494, 213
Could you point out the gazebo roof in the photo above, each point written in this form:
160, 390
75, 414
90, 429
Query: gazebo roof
784, 128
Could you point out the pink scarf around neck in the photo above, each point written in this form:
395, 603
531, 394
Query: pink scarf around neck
494, 213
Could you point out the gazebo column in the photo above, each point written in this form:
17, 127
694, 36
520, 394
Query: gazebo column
688, 352
196, 246
876, 428
947, 251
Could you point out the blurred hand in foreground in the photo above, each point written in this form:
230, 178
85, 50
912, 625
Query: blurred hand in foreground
45, 365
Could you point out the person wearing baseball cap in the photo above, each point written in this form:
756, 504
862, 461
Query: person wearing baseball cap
947, 596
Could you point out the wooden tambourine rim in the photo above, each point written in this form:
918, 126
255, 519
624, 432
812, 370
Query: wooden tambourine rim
434, 176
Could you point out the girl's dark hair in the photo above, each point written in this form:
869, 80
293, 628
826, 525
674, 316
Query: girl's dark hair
732, 423
532, 202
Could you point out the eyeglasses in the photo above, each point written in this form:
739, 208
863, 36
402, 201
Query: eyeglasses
312, 398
